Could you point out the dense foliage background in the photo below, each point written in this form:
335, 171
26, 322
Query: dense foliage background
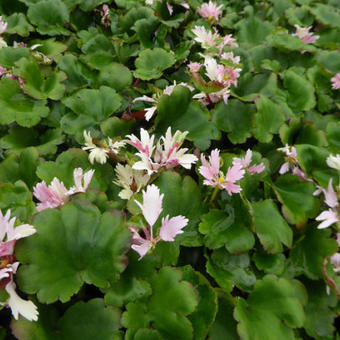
249, 265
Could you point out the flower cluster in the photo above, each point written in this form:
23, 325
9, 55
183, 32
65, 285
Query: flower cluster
151, 209
222, 69
9, 265
100, 152
211, 171
222, 76
56, 194
166, 153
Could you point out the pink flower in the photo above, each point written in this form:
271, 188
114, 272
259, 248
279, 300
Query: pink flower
3, 25
336, 82
214, 177
210, 169
151, 209
3, 70
194, 67
304, 35
230, 56
206, 38
104, 12
8, 266
328, 217
228, 40
56, 194
245, 162
168, 153
330, 196
210, 10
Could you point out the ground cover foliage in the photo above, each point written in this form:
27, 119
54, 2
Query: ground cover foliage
169, 170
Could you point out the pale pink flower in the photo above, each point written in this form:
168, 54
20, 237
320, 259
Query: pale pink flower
244, 163
168, 153
56, 194
210, 10
210, 170
151, 210
51, 196
228, 40
8, 236
328, 217
230, 56
330, 196
3, 70
336, 82
170, 8
194, 67
304, 35
3, 25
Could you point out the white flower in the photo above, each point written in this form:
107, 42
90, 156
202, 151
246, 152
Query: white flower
2, 43
130, 180
328, 217
19, 306
204, 37
100, 154
333, 162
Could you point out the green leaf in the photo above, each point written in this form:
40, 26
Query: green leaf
310, 251
229, 227
252, 30
319, 316
127, 289
116, 76
271, 228
312, 160
92, 107
270, 312
327, 15
224, 326
49, 16
147, 334
10, 55
16, 106
229, 270
23, 166
90, 320
83, 246
205, 312
45, 328
268, 119
18, 198
77, 73
329, 59
98, 104
190, 205
151, 63
181, 113
234, 118
296, 196
300, 91
333, 136
116, 127
37, 84
171, 301
145, 29
19, 139
18, 24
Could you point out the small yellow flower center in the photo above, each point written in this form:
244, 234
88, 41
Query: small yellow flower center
221, 179
226, 77
104, 143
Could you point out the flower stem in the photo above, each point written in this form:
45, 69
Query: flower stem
214, 194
